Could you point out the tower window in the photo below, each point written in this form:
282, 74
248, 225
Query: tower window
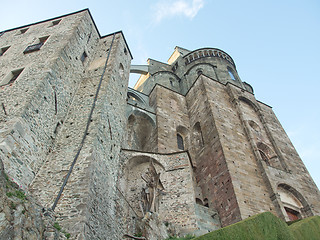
180, 142
36, 46
22, 31
83, 57
12, 76
171, 82
56, 22
231, 74
3, 50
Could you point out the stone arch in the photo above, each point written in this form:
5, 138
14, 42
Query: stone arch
135, 97
167, 72
134, 170
140, 131
249, 102
294, 204
268, 155
167, 79
198, 66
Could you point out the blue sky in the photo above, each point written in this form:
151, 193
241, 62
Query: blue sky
275, 45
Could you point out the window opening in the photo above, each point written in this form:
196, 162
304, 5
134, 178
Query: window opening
171, 82
56, 22
180, 142
36, 46
83, 57
13, 75
199, 71
22, 31
3, 50
231, 74
264, 157
205, 202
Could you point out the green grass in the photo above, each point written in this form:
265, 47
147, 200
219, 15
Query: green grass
264, 226
17, 193
57, 226
308, 228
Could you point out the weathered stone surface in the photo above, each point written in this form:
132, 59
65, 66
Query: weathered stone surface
79, 142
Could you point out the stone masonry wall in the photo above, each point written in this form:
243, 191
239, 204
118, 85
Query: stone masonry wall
172, 115
38, 100
177, 201
245, 173
212, 173
297, 170
84, 200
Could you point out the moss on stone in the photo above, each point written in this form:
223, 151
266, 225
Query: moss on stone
261, 226
308, 228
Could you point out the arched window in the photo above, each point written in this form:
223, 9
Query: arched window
294, 204
180, 142
230, 71
198, 137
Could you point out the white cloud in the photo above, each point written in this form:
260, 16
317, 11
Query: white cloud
165, 9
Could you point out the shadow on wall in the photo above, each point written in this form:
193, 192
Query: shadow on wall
140, 131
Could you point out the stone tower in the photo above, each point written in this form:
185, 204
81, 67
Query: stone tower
63, 91
188, 150
242, 160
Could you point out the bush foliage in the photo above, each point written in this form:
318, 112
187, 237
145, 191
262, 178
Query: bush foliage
308, 228
261, 226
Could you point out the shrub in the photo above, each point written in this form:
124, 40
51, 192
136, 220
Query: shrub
261, 226
307, 228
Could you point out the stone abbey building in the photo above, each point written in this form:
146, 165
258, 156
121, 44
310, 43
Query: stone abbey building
188, 150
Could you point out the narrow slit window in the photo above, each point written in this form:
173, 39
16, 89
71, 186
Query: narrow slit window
15, 75
83, 57
54, 23
3, 50
23, 31
36, 46
180, 142
11, 77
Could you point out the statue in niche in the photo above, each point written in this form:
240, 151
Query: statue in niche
150, 193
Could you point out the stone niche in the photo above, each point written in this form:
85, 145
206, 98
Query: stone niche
174, 201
